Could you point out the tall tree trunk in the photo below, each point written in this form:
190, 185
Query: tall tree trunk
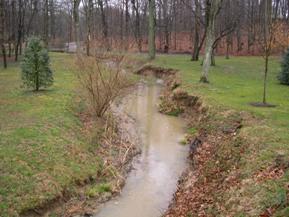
127, 33
265, 79
227, 51
37, 78
239, 40
229, 43
46, 22
104, 25
89, 26
159, 33
13, 25
137, 31
2, 33
152, 27
9, 49
121, 24
197, 15
70, 27
32, 17
213, 60
166, 26
276, 10
20, 29
52, 19
267, 42
213, 7
175, 24
76, 24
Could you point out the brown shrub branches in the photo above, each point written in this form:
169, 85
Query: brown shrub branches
101, 82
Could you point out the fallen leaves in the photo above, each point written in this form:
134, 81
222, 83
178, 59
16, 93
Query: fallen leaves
269, 173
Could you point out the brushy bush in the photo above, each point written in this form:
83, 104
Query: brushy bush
36, 72
101, 82
284, 74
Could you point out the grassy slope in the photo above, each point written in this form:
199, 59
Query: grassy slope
41, 148
234, 84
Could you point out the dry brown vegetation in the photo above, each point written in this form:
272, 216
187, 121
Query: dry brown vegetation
101, 81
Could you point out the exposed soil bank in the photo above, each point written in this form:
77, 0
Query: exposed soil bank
215, 151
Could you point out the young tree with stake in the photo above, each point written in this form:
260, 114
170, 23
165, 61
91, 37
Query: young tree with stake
266, 40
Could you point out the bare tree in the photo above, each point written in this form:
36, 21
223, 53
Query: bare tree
100, 83
137, 28
104, 24
227, 27
152, 24
267, 33
89, 12
212, 9
20, 30
46, 22
2, 33
165, 17
197, 29
127, 17
76, 4
52, 18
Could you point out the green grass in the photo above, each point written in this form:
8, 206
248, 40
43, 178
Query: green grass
235, 83
95, 190
42, 150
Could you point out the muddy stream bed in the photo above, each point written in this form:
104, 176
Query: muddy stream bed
153, 180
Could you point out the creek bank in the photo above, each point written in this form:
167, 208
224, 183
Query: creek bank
151, 184
216, 148
115, 142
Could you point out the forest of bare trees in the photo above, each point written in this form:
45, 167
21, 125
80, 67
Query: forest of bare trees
181, 25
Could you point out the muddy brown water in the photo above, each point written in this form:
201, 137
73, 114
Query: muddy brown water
151, 184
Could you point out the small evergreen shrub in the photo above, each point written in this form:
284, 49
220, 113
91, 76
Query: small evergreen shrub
284, 74
36, 72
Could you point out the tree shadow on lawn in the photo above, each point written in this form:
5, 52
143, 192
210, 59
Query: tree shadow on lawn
40, 92
262, 105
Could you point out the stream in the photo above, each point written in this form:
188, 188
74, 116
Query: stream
151, 184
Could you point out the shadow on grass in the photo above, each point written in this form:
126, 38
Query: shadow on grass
40, 92
262, 105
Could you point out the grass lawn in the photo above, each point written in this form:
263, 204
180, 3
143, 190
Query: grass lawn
42, 150
234, 84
